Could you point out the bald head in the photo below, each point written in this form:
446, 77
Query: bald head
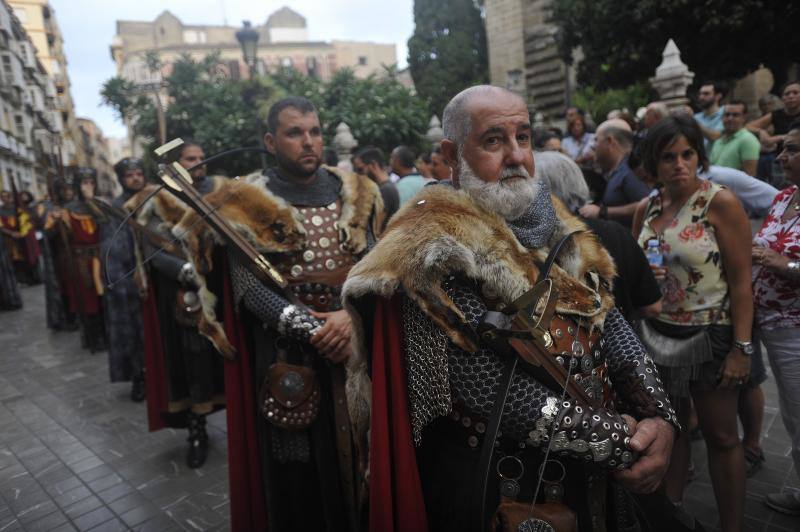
457, 117
619, 130
613, 141
654, 113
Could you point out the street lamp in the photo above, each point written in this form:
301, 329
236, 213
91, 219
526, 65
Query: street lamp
248, 39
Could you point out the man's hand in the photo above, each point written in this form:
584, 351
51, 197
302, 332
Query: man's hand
590, 210
652, 439
333, 339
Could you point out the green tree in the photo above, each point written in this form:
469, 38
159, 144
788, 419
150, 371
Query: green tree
598, 103
447, 52
622, 40
222, 114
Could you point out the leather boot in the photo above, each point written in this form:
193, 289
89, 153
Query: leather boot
198, 441
138, 390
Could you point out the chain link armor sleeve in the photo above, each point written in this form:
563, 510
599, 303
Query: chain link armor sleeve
637, 387
272, 309
531, 408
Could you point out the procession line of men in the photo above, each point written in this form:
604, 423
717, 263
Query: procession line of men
393, 309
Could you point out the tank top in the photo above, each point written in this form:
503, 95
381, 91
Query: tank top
695, 286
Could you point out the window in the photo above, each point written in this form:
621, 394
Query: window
311, 67
7, 65
194, 36
362, 60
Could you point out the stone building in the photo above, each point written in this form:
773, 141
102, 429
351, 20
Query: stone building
283, 42
523, 55
30, 124
98, 156
39, 20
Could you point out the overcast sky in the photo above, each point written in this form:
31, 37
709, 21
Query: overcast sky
89, 25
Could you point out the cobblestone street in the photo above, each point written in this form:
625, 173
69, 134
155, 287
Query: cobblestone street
75, 453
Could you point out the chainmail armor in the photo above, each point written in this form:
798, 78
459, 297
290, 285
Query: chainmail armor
273, 310
637, 386
426, 361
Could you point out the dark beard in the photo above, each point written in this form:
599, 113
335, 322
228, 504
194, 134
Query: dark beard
705, 105
291, 168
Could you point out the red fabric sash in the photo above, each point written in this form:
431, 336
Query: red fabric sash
155, 368
396, 503
248, 510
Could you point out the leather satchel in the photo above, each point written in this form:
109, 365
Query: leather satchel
290, 396
557, 517
675, 352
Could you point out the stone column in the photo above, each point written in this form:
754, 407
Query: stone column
672, 77
344, 143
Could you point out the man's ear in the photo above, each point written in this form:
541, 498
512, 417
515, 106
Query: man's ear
269, 143
450, 153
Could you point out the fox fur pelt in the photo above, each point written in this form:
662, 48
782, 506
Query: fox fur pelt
266, 221
443, 233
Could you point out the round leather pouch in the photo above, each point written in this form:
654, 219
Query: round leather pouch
290, 396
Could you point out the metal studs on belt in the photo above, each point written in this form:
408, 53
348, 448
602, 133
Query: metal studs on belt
308, 255
316, 220
330, 264
324, 242
332, 206
296, 270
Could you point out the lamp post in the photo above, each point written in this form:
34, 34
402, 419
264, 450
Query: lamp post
248, 39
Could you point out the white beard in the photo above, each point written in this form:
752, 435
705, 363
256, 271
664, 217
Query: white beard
508, 198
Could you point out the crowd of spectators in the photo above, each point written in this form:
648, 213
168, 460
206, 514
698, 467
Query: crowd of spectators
693, 184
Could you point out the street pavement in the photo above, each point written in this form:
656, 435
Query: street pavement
75, 453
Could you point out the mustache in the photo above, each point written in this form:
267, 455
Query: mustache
514, 171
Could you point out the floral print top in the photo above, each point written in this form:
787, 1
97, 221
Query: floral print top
776, 297
695, 286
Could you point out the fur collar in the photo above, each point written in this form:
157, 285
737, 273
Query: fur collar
268, 222
442, 232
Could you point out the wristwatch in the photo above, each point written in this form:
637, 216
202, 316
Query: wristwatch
746, 347
794, 266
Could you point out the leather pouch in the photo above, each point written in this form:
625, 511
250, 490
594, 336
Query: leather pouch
511, 516
187, 307
290, 396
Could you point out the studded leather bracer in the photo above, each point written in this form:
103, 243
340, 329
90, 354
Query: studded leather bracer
274, 311
637, 388
594, 435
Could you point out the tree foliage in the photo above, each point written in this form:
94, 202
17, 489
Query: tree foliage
598, 103
221, 114
622, 40
447, 52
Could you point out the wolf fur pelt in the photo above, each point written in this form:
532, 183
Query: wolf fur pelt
443, 233
266, 221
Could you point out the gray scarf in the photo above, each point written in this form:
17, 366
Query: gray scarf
322, 191
534, 228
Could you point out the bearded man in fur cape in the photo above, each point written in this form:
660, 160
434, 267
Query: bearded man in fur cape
421, 384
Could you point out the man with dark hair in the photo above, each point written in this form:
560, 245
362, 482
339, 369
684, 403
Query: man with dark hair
371, 163
737, 147
410, 182
184, 371
709, 118
122, 298
297, 475
614, 142
451, 418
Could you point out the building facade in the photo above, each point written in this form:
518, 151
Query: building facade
95, 148
523, 56
283, 42
39, 20
30, 123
